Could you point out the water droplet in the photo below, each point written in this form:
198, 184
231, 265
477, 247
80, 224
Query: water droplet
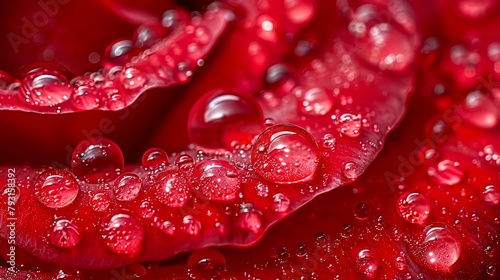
10, 195
56, 188
84, 95
479, 110
414, 207
173, 189
100, 202
148, 34
349, 125
127, 187
206, 264
219, 112
45, 88
172, 18
299, 11
168, 227
475, 9
281, 203
97, 160
202, 35
184, 72
190, 225
361, 211
64, 234
132, 78
315, 101
216, 180
351, 170
266, 28
447, 172
154, 157
285, 154
491, 194
249, 218
329, 141
185, 162
437, 247
117, 53
367, 263
385, 47
123, 234
146, 209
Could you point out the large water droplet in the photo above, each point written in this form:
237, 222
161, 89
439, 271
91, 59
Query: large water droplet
64, 234
56, 188
217, 113
173, 189
97, 160
127, 187
414, 207
447, 172
45, 88
216, 180
206, 264
285, 154
123, 234
154, 157
367, 263
117, 53
349, 125
315, 101
437, 247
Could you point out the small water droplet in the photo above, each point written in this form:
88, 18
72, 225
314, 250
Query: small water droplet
361, 211
281, 203
349, 125
414, 207
491, 194
56, 188
249, 218
190, 225
299, 11
154, 157
132, 78
64, 234
84, 95
100, 202
206, 264
10, 195
351, 170
148, 34
367, 263
315, 101
185, 162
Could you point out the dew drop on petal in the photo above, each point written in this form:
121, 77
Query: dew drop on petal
249, 218
173, 189
45, 88
367, 263
56, 188
132, 78
437, 247
447, 172
285, 154
361, 211
97, 160
350, 170
206, 264
190, 225
123, 234
491, 194
127, 187
216, 180
168, 227
64, 234
281, 203
10, 194
154, 157
100, 202
349, 125
217, 113
185, 162
85, 96
316, 101
147, 35
414, 207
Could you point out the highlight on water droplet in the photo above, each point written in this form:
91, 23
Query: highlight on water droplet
97, 160
437, 247
206, 264
414, 207
64, 234
123, 234
127, 187
447, 172
173, 189
216, 180
56, 188
285, 154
